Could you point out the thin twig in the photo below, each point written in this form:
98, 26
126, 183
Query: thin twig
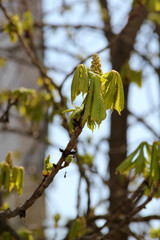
5, 116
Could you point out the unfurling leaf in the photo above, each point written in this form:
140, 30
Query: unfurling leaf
75, 117
47, 166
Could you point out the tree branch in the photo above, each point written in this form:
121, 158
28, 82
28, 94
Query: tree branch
21, 210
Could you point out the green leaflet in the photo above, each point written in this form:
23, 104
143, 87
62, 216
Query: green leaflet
98, 111
88, 102
110, 90
80, 82
140, 162
21, 178
15, 176
6, 172
75, 85
147, 167
18, 179
155, 166
127, 164
84, 79
113, 94
119, 95
90, 123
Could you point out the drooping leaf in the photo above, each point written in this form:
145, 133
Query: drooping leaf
110, 90
119, 95
88, 102
98, 111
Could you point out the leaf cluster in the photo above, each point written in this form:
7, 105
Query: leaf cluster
31, 104
100, 92
18, 25
145, 166
11, 176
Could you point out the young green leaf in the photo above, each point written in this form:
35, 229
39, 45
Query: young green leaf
20, 180
140, 161
110, 90
155, 166
6, 170
88, 102
98, 111
75, 84
84, 80
119, 95
128, 163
